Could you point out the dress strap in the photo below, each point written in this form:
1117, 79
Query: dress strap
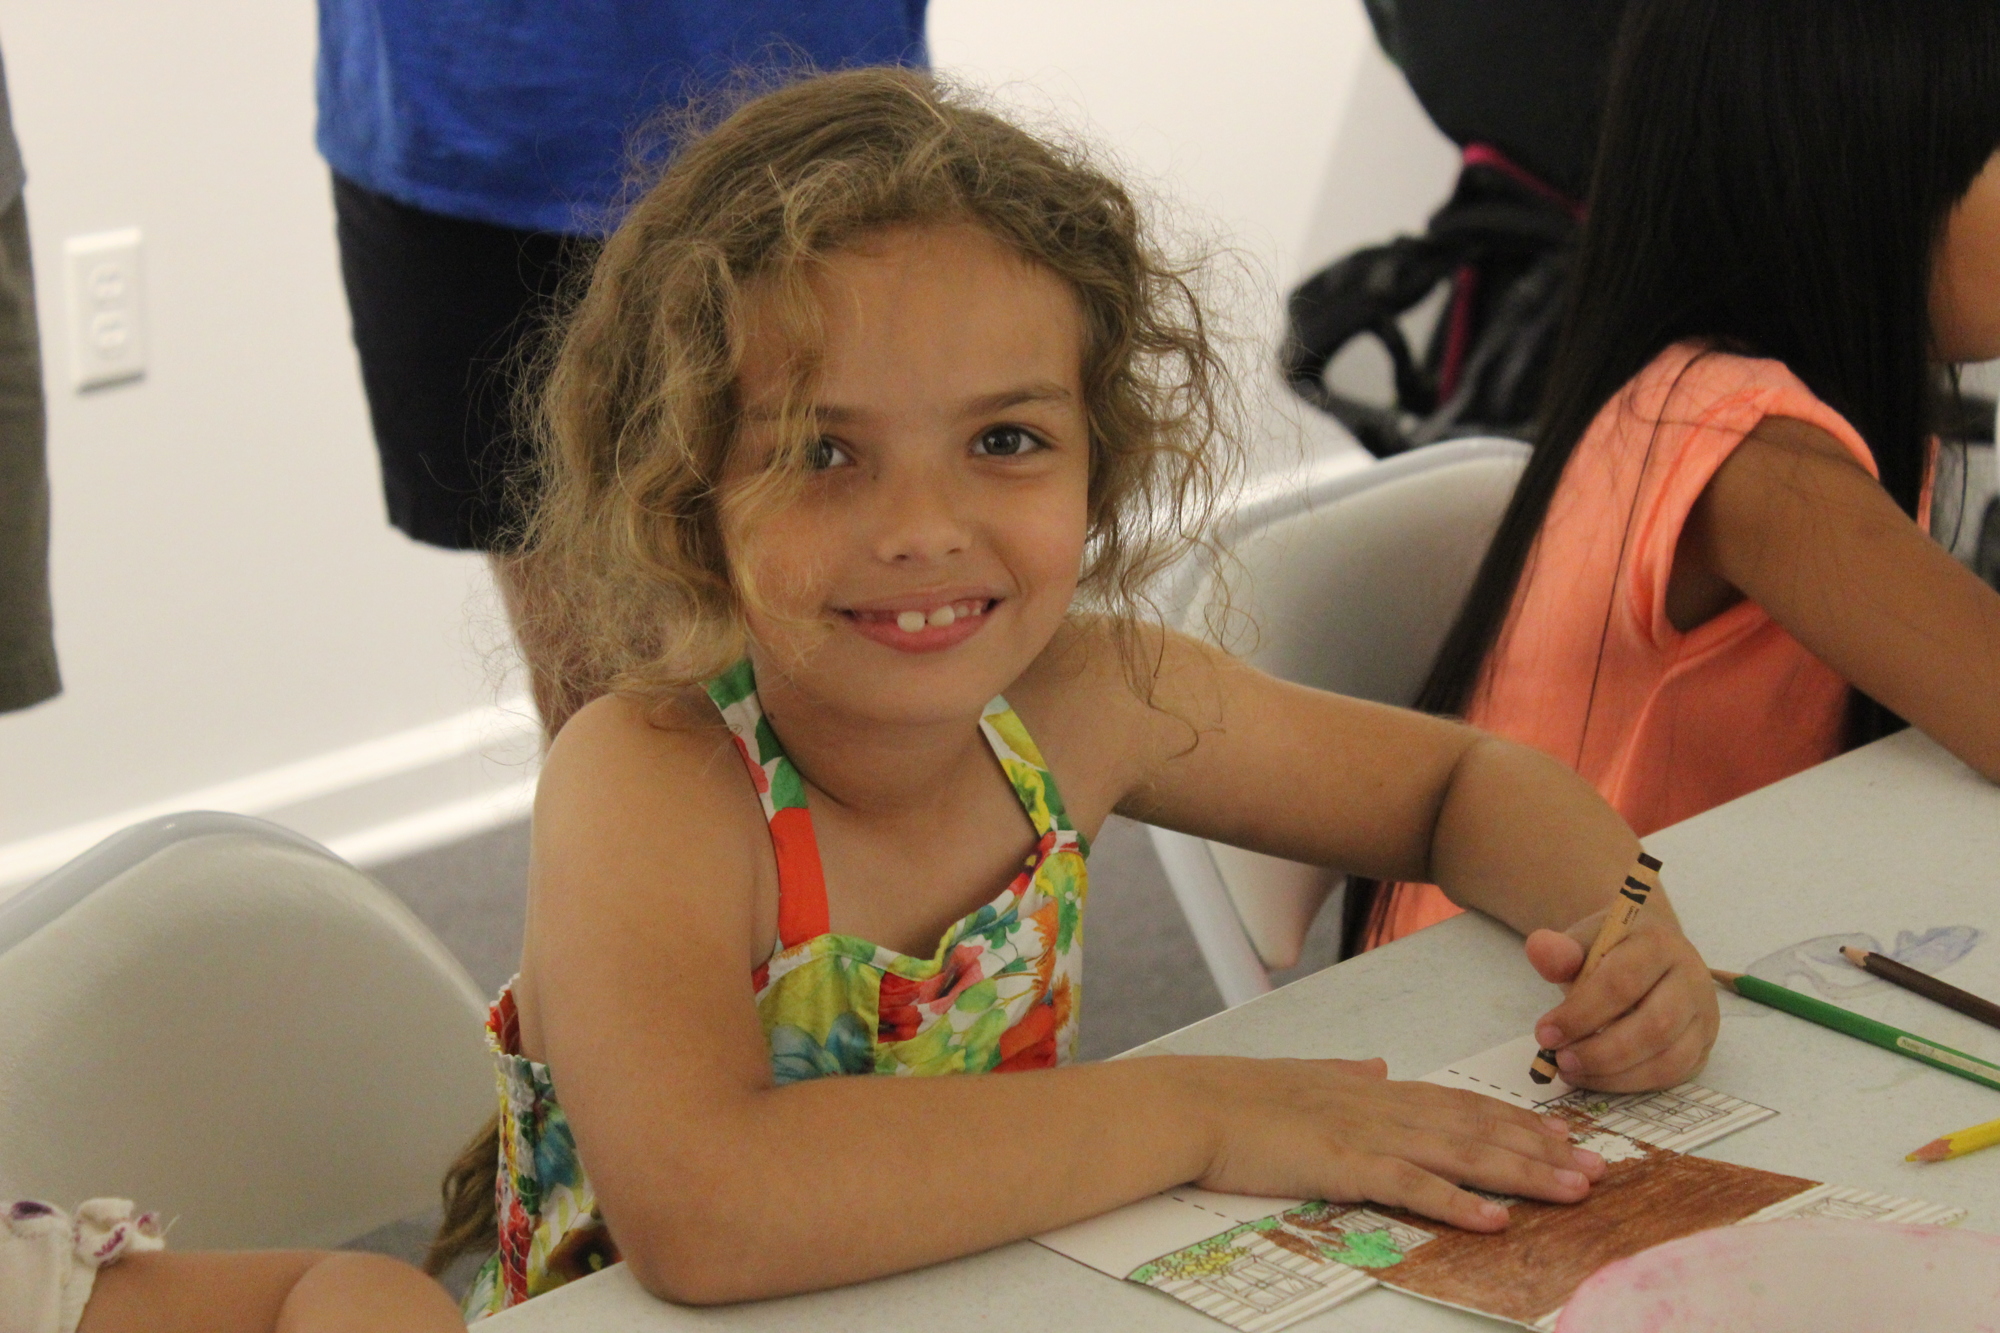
801, 882
1021, 759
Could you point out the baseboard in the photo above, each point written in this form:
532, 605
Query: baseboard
370, 803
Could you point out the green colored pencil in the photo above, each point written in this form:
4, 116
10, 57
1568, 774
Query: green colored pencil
1854, 1025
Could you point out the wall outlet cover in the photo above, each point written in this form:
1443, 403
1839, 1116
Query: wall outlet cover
106, 308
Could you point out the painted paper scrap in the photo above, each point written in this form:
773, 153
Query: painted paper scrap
1261, 1265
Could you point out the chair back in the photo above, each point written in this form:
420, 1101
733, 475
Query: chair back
1348, 584
225, 1022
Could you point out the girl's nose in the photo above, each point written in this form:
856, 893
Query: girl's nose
919, 518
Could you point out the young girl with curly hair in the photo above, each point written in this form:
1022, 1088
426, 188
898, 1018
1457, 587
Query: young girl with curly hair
876, 417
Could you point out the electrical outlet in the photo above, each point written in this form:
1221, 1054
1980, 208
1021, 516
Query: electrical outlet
107, 325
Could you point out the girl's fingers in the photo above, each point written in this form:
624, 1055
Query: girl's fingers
1681, 1061
1611, 1068
1469, 1111
1539, 1141
1489, 1166
1430, 1104
1467, 1138
1642, 1033
1402, 1184
1554, 954
1411, 1145
1471, 1115
1677, 1017
1631, 969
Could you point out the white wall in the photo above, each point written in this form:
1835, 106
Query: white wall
1279, 123
230, 603
1228, 110
239, 627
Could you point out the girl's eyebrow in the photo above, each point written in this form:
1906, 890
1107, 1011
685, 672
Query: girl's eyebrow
1041, 391
834, 414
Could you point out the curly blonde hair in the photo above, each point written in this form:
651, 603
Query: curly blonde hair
638, 414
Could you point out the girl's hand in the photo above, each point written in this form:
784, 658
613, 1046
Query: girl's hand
1645, 1019
1340, 1130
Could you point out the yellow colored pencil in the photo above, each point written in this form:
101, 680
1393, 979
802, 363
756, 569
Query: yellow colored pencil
1959, 1144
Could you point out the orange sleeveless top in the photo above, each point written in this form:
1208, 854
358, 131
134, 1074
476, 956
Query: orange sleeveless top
1589, 670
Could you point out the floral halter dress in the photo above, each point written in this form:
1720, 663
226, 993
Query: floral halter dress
1000, 993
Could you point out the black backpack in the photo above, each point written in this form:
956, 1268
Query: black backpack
1519, 87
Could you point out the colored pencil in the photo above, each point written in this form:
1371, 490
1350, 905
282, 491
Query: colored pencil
1856, 1025
1959, 1144
1924, 984
1632, 895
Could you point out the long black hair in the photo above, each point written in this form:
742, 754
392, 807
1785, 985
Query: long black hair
1772, 178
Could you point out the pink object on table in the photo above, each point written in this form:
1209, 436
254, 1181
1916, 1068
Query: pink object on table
1818, 1274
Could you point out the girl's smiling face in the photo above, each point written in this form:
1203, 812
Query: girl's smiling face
935, 548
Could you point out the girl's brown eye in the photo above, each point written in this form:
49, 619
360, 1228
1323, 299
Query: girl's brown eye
823, 453
1006, 442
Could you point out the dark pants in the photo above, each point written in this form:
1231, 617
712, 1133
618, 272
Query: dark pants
27, 644
448, 315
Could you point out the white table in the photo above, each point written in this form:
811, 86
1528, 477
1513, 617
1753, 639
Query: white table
1898, 836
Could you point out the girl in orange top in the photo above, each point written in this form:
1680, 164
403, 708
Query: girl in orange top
1715, 571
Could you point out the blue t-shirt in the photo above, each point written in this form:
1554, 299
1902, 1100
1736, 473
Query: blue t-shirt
518, 112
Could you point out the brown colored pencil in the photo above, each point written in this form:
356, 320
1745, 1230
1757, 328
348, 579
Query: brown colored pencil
1924, 984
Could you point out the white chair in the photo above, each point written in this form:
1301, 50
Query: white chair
1349, 583
220, 1019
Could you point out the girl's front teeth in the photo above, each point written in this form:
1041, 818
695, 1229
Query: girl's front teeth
911, 621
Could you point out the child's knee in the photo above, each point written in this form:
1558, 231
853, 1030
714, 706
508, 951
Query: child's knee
372, 1290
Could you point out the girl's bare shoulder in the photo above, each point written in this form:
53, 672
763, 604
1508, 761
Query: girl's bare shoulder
1108, 703
1095, 663
646, 768
625, 726
650, 863
1083, 672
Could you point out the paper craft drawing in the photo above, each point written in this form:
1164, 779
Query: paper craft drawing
1525, 1273
1859, 1206
1261, 1264
1682, 1118
1278, 1269
1254, 1263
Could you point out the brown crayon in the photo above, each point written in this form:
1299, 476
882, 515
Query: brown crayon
1632, 895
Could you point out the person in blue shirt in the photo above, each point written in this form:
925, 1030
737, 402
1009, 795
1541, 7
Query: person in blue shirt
479, 148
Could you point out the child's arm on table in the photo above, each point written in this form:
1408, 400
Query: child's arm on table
1791, 521
1500, 827
719, 1186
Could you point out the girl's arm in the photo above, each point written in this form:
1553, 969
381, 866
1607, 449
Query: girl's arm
718, 1186
1394, 794
1792, 522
